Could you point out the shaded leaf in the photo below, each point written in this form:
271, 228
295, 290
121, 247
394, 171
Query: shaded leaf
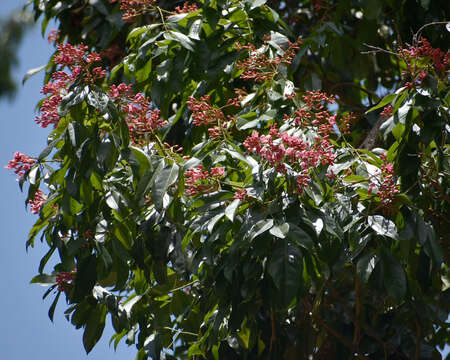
394, 276
165, 178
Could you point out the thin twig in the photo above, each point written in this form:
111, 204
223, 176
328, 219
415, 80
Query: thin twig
376, 49
416, 35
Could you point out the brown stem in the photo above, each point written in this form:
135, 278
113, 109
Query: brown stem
346, 342
273, 337
376, 49
366, 328
418, 337
357, 330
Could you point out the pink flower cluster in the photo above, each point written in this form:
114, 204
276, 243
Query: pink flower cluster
387, 111
259, 67
206, 114
203, 112
187, 8
241, 194
314, 113
387, 188
79, 63
279, 149
64, 280
134, 8
201, 181
20, 164
423, 50
37, 202
140, 118
53, 36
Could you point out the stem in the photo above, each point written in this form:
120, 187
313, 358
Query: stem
416, 35
376, 49
357, 330
418, 336
179, 331
273, 337
161, 145
162, 18
183, 286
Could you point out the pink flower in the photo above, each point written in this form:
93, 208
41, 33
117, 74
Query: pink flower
64, 280
187, 8
37, 202
387, 111
20, 164
69, 54
134, 8
49, 112
53, 36
241, 194
217, 172
201, 181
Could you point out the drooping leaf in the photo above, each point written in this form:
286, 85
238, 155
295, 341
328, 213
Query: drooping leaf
383, 226
94, 327
285, 268
165, 178
394, 276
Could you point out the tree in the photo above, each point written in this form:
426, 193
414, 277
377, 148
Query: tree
12, 30
247, 179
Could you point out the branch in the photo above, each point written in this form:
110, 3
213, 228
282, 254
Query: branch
346, 342
416, 35
376, 49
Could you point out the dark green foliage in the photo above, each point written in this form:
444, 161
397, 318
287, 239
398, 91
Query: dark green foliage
354, 264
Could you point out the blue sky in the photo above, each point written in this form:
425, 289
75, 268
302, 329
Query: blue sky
25, 330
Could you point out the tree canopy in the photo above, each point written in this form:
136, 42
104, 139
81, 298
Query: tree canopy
246, 179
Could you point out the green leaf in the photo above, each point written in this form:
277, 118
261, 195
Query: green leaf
196, 27
99, 100
142, 158
180, 38
386, 100
195, 349
256, 3
394, 276
383, 226
48, 149
33, 175
280, 231
94, 327
141, 30
213, 221
231, 209
365, 266
300, 237
45, 259
285, 268
43, 279
260, 227
355, 179
32, 72
427, 238
51, 310
123, 235
72, 134
86, 278
165, 178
